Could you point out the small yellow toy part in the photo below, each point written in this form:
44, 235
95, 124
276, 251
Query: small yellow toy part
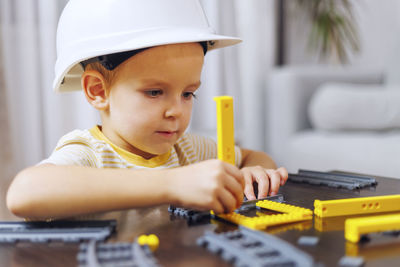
150, 240
351, 206
225, 129
356, 227
289, 214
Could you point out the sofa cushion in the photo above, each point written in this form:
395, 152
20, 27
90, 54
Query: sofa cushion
339, 106
369, 152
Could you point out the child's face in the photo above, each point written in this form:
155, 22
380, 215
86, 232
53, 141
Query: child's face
151, 98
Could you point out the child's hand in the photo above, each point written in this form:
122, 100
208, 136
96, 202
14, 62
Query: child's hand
208, 185
268, 181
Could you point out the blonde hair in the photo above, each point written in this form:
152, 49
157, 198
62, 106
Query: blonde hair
108, 75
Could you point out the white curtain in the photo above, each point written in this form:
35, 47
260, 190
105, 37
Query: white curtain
240, 71
38, 117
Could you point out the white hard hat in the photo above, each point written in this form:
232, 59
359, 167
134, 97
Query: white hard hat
92, 28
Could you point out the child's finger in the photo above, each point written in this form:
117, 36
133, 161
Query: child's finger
263, 183
284, 174
235, 172
275, 180
248, 187
236, 189
227, 200
217, 207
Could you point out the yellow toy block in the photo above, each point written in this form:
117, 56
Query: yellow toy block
329, 224
356, 227
150, 240
299, 226
225, 129
352, 249
289, 214
350, 206
326, 224
372, 252
283, 208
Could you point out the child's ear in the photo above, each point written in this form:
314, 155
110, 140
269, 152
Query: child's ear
94, 86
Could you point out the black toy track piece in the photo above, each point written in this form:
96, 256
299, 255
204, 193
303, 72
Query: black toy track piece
333, 179
194, 216
248, 248
101, 254
62, 230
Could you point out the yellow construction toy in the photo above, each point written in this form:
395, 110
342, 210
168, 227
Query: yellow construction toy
225, 129
351, 206
226, 152
150, 240
299, 226
289, 214
356, 227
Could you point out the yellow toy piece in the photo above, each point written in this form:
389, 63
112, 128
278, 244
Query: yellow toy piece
329, 224
356, 227
299, 226
326, 224
289, 214
150, 240
283, 208
225, 129
350, 206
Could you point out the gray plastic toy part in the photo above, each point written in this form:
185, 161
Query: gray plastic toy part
194, 216
95, 254
62, 230
333, 179
245, 247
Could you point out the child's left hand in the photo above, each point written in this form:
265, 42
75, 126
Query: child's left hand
268, 180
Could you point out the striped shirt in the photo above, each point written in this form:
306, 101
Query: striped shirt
93, 149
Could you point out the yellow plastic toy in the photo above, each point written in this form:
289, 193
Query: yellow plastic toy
225, 129
299, 226
351, 206
289, 214
226, 152
356, 227
150, 240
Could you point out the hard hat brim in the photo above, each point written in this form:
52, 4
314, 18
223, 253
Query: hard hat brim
69, 71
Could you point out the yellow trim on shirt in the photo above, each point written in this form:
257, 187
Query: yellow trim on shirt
131, 157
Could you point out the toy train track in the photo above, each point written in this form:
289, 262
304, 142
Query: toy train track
333, 179
245, 247
94, 254
65, 231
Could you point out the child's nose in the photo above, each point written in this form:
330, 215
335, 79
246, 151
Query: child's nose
174, 109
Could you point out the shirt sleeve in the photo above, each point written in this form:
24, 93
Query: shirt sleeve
206, 148
73, 154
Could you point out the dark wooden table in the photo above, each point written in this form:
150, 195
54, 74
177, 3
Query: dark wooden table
178, 239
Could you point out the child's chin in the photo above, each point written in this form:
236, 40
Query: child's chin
161, 151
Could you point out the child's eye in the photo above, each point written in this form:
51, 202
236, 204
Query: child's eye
189, 95
153, 92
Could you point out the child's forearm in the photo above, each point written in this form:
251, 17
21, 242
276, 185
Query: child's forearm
51, 191
256, 158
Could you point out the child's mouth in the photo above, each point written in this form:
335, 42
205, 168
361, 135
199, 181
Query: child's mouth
167, 134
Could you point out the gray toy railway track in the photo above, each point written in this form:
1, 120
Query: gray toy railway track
248, 248
95, 254
333, 179
65, 231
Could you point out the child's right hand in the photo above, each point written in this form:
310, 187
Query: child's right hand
208, 185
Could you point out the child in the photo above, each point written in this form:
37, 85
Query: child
139, 64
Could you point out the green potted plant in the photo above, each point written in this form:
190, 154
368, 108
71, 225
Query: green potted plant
334, 31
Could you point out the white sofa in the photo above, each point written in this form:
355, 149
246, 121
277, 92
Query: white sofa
295, 144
